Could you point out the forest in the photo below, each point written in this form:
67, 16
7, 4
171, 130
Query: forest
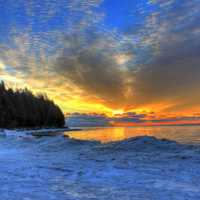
20, 108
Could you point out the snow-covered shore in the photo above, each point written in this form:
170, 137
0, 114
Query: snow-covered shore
41, 132
58, 168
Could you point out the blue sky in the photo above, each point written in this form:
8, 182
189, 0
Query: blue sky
127, 14
118, 14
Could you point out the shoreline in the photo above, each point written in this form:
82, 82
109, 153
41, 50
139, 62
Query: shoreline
36, 132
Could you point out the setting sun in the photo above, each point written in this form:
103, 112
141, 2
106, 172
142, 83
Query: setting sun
118, 112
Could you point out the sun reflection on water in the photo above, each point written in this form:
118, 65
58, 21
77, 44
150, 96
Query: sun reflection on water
178, 133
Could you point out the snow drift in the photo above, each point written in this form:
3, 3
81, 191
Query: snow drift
61, 168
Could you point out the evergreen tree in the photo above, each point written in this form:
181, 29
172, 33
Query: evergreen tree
21, 108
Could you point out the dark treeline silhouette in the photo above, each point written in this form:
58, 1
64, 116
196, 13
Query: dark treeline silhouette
20, 108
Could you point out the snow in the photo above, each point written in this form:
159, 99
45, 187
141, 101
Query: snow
58, 168
36, 132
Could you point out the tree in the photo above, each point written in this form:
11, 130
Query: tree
21, 108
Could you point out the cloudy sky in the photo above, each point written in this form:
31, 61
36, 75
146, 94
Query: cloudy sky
105, 56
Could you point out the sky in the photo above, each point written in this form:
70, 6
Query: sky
113, 57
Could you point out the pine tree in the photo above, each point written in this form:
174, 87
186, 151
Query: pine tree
21, 108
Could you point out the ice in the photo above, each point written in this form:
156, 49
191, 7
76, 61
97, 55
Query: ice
58, 168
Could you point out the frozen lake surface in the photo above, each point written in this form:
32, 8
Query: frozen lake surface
58, 168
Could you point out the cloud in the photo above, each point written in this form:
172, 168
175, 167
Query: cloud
129, 118
90, 119
172, 74
96, 119
154, 65
91, 65
169, 71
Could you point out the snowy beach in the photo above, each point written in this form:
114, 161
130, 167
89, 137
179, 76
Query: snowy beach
36, 132
59, 168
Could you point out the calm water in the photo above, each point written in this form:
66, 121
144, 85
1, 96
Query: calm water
183, 134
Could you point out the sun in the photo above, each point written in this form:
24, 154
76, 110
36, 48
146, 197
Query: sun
118, 112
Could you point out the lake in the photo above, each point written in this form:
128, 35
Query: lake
182, 134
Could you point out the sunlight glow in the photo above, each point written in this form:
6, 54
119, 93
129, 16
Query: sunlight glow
2, 66
118, 112
122, 58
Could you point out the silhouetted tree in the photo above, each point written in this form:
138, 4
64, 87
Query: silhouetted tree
21, 108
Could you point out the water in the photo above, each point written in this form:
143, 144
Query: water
182, 134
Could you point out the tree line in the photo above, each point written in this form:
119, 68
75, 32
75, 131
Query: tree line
21, 108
